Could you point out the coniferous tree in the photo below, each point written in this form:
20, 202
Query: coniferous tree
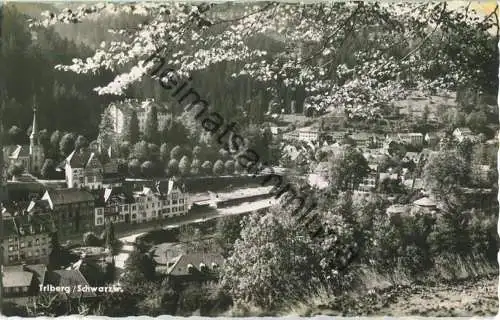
151, 126
132, 130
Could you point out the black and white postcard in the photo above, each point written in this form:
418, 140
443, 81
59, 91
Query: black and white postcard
249, 159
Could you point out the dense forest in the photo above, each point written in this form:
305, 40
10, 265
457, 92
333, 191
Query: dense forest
27, 64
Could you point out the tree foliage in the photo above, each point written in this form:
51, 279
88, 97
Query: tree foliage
396, 48
48, 169
151, 125
218, 168
347, 170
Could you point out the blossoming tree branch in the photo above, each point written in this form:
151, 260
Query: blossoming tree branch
357, 56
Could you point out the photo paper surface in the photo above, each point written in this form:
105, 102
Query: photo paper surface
249, 159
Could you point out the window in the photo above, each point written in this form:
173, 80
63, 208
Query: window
37, 242
11, 248
174, 201
181, 201
11, 240
30, 244
134, 208
181, 208
99, 221
143, 214
134, 216
30, 253
22, 244
167, 210
126, 207
44, 251
152, 205
174, 209
159, 204
154, 213
99, 211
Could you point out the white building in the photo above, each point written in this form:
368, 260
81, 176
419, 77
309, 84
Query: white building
148, 204
413, 138
151, 204
308, 134
120, 114
83, 169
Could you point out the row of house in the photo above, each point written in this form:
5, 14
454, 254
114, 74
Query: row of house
363, 139
165, 199
73, 212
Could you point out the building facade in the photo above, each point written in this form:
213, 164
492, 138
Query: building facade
164, 200
72, 211
83, 170
120, 115
308, 134
27, 238
110, 202
153, 204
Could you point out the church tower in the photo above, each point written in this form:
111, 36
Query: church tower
36, 151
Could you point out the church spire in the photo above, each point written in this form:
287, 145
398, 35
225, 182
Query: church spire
34, 129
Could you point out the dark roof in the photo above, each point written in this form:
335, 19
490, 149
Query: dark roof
103, 195
9, 228
27, 224
34, 223
66, 196
77, 159
39, 205
80, 159
20, 152
69, 278
38, 270
195, 259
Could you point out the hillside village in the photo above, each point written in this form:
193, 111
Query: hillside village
44, 216
132, 194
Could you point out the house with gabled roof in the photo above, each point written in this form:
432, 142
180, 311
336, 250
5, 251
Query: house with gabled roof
83, 169
71, 279
22, 280
195, 266
163, 200
112, 204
